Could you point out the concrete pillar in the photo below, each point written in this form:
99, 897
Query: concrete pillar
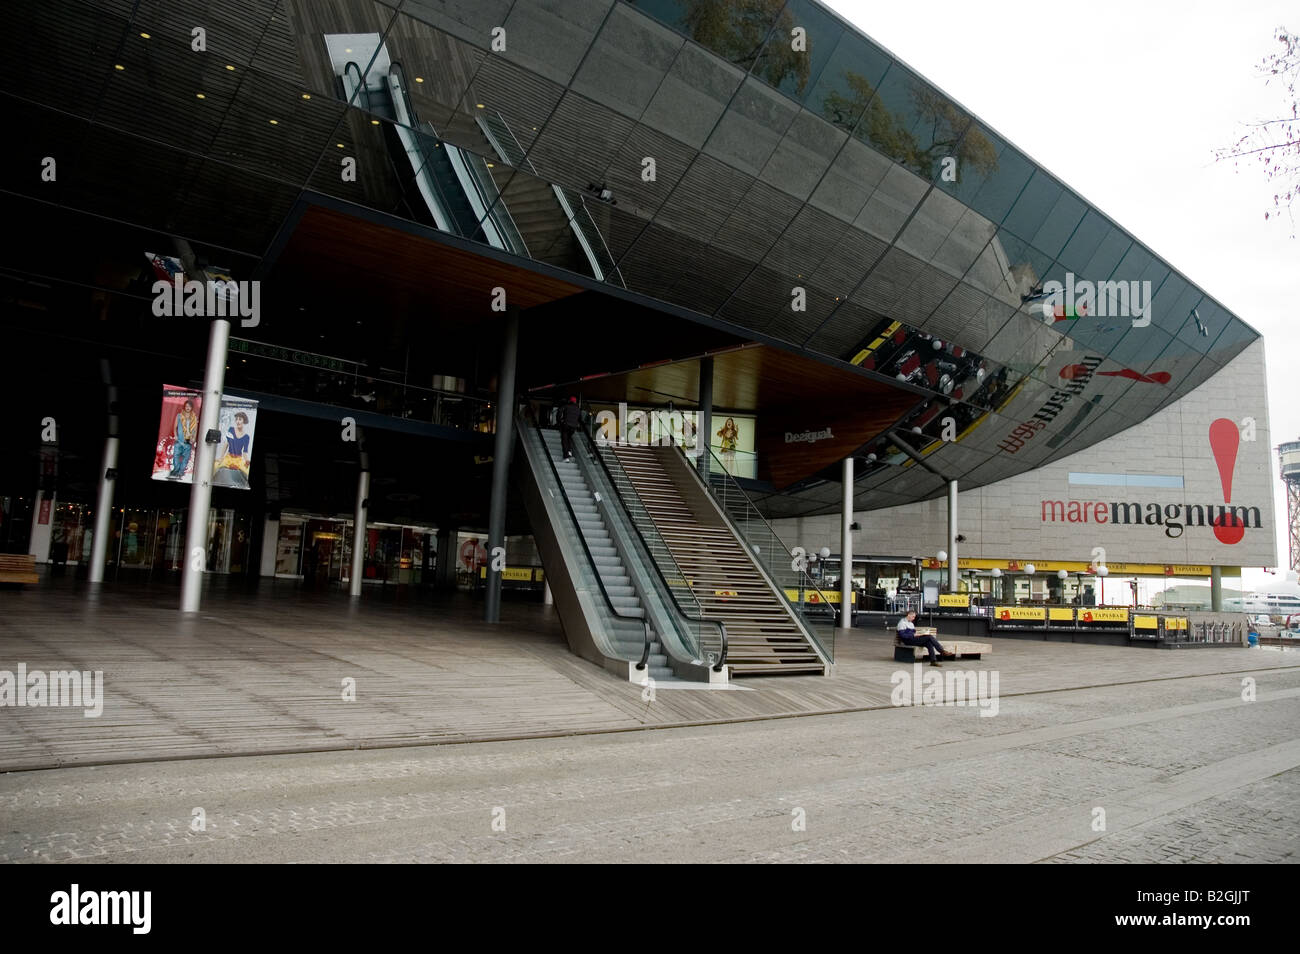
103, 510
953, 576
704, 420
1216, 589
39, 546
270, 546
359, 533
107, 483
501, 465
846, 547
196, 530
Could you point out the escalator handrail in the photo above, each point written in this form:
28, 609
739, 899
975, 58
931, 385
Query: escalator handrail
591, 560
722, 628
362, 92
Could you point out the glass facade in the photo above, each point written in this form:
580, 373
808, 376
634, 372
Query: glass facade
691, 152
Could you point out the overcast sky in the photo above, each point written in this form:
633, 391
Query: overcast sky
1126, 102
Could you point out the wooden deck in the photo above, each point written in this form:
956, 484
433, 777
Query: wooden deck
263, 672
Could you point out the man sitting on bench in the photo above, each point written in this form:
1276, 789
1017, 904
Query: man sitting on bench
907, 636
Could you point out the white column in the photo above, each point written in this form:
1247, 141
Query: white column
846, 548
359, 532
953, 575
40, 538
196, 530
103, 511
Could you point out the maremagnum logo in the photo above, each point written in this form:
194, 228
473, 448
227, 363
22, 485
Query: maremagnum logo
1173, 517
1230, 522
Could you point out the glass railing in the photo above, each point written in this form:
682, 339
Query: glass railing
586, 572
708, 636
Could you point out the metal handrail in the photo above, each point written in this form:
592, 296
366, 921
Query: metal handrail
658, 570
591, 560
362, 92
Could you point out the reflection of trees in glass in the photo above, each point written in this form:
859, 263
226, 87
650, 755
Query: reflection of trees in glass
889, 132
737, 29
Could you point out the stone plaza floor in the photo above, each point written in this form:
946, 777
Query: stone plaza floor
1159, 747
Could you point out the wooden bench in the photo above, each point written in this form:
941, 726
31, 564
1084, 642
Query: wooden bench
18, 568
960, 648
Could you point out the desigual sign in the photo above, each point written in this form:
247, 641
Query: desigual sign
808, 437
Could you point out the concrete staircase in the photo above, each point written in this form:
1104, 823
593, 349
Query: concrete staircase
763, 638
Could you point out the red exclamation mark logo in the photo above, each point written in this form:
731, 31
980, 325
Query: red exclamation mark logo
1224, 441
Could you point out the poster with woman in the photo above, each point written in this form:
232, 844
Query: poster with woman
178, 435
234, 457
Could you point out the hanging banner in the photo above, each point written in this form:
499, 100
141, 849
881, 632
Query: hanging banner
178, 435
236, 423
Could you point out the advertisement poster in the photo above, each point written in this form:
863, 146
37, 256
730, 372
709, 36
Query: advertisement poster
178, 438
732, 440
236, 424
178, 435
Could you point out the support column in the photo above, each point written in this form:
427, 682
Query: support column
547, 599
704, 420
953, 576
103, 510
359, 533
1216, 589
359, 516
107, 483
39, 541
196, 530
846, 547
501, 464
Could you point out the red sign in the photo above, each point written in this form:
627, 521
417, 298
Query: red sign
45, 512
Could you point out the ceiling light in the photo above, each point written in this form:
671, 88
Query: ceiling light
419, 79
200, 96
306, 95
118, 66
275, 122
374, 122
348, 50
145, 36
479, 105
229, 67
340, 145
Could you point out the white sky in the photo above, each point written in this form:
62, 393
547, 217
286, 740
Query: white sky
1126, 102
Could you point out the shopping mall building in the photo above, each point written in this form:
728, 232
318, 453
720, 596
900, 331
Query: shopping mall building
344, 257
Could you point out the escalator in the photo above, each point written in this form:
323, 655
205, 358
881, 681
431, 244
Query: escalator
622, 605
449, 187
